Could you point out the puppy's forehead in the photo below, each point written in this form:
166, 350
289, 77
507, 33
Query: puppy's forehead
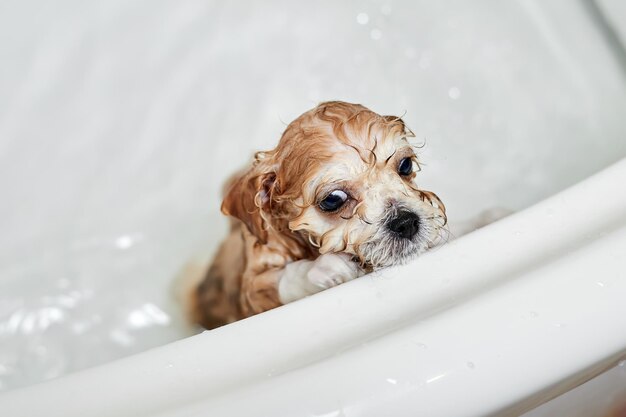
350, 162
381, 149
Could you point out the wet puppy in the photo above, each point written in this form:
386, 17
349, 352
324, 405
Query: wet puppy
335, 199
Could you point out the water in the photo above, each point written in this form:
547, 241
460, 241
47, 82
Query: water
57, 318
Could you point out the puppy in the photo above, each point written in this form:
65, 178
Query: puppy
335, 199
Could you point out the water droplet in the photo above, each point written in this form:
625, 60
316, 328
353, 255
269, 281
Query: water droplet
421, 346
454, 93
376, 34
362, 18
517, 233
170, 365
534, 314
392, 381
600, 284
124, 242
560, 325
622, 363
471, 365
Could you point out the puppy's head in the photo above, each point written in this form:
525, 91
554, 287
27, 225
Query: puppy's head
342, 179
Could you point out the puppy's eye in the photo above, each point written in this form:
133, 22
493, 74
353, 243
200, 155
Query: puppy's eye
333, 201
406, 167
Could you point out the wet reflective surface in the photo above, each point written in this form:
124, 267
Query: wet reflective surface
76, 309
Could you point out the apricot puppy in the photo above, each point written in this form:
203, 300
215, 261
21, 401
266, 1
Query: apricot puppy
335, 199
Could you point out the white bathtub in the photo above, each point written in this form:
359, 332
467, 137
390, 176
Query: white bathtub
119, 123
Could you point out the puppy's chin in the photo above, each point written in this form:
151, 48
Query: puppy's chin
390, 251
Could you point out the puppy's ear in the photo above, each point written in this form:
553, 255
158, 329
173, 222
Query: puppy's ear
248, 198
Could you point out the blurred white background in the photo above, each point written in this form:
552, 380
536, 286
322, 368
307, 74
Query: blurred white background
119, 122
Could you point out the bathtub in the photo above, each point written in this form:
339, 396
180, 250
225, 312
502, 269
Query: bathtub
120, 122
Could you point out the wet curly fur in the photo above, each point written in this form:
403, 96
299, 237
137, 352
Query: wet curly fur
277, 219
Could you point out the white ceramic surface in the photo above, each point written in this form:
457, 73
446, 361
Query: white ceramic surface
119, 122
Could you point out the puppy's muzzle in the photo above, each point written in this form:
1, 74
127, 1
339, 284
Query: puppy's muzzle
405, 224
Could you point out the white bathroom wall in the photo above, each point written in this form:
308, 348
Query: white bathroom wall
119, 121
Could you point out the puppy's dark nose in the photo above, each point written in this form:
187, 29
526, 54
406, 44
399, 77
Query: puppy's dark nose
405, 224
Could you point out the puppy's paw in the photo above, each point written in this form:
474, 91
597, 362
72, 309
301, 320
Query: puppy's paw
332, 269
